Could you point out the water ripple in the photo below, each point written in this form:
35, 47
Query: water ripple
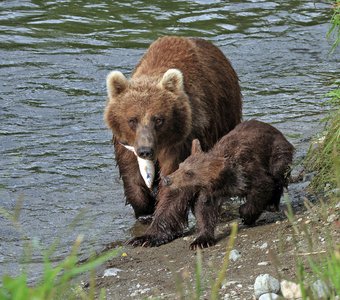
55, 151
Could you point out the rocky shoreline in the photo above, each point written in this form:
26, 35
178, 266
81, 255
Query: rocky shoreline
268, 250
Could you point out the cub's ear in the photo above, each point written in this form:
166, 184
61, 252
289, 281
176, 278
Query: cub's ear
116, 83
196, 147
172, 80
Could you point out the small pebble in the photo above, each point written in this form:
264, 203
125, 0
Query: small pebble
264, 245
263, 263
331, 218
234, 255
111, 272
229, 283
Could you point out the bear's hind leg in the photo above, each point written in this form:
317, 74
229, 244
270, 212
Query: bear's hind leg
274, 205
259, 197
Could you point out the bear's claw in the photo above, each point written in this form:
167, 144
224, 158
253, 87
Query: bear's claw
149, 241
202, 242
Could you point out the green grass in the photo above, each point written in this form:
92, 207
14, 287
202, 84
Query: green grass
322, 154
325, 149
56, 281
323, 157
335, 25
316, 261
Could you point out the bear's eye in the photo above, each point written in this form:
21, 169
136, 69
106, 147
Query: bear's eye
133, 123
189, 174
158, 121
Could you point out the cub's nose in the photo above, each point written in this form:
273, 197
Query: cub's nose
145, 153
167, 181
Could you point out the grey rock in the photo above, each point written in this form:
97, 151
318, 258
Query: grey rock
111, 272
309, 176
320, 289
290, 290
264, 284
269, 296
331, 218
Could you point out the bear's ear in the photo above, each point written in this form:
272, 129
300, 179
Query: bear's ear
116, 83
196, 147
172, 80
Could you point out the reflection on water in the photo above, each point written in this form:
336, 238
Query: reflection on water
56, 155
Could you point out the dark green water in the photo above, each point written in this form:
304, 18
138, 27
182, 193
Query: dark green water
55, 153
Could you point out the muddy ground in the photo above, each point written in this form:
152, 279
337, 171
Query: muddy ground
168, 271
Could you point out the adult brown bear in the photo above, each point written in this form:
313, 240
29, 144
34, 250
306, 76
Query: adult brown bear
182, 89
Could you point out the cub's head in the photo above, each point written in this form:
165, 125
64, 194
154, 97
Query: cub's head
199, 171
147, 113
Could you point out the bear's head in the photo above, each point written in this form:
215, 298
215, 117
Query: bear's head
148, 113
199, 171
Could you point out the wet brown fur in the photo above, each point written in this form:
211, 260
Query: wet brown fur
206, 107
252, 161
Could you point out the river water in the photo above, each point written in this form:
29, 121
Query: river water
57, 173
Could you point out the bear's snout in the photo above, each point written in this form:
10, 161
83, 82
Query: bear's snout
145, 153
167, 181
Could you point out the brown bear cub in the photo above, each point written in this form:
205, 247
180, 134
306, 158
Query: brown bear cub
181, 89
251, 161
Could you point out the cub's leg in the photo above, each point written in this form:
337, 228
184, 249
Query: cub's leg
276, 197
258, 198
206, 211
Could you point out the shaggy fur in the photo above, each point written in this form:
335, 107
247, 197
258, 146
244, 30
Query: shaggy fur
182, 88
252, 161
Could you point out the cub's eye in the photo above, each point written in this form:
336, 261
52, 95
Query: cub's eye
133, 123
189, 174
158, 121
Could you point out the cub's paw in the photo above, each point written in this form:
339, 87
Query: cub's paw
202, 241
272, 208
247, 215
149, 240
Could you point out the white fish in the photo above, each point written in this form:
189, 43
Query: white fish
146, 167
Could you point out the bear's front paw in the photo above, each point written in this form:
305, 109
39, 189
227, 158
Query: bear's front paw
149, 240
248, 214
202, 241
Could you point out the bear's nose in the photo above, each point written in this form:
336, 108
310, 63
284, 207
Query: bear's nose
167, 181
145, 153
